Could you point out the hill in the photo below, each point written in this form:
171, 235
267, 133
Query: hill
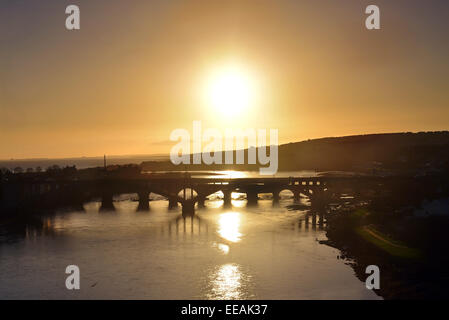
418, 153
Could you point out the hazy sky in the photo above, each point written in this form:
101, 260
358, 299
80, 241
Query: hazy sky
137, 70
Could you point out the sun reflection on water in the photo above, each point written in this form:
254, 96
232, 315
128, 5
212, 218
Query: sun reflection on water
228, 282
228, 226
223, 248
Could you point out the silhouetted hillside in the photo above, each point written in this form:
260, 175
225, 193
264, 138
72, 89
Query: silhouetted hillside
417, 153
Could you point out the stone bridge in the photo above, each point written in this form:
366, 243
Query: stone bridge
184, 190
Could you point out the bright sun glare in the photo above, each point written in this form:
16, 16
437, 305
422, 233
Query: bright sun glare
230, 90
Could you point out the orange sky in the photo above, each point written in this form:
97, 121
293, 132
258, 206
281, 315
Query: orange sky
136, 69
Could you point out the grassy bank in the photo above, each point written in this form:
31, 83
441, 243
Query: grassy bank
409, 252
385, 243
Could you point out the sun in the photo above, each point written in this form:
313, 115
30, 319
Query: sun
230, 90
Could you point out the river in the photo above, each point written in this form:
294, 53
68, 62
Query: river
263, 252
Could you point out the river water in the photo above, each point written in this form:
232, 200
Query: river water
263, 252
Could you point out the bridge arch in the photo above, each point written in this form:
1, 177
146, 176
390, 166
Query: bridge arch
154, 195
285, 193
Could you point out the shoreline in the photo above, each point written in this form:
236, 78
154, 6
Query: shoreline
401, 276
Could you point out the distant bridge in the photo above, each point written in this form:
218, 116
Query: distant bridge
181, 189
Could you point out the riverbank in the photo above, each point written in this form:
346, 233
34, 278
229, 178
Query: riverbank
407, 271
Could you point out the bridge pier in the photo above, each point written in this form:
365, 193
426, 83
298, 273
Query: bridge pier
227, 198
317, 200
188, 207
276, 197
107, 202
296, 196
321, 221
201, 200
144, 201
172, 202
251, 197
